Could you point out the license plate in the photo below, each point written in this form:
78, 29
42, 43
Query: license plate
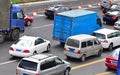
118, 24
25, 74
18, 50
71, 50
108, 17
48, 12
114, 62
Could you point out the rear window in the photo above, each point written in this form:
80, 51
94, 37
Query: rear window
28, 65
98, 35
73, 43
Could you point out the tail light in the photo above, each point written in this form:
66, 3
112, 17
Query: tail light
104, 41
78, 52
11, 49
107, 60
26, 51
37, 74
114, 17
16, 71
65, 49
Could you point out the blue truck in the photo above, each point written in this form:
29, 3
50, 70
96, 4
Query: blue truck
11, 20
75, 22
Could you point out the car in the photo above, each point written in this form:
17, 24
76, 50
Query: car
112, 59
55, 8
111, 17
105, 3
109, 38
28, 20
82, 46
113, 6
117, 24
29, 45
43, 64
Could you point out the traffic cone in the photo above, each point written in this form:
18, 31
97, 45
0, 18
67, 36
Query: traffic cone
70, 5
24, 11
98, 4
80, 5
33, 13
90, 4
48, 5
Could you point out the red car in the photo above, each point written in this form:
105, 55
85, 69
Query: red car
28, 20
112, 60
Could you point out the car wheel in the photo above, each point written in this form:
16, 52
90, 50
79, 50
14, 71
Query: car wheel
99, 53
110, 47
28, 23
67, 71
48, 47
83, 58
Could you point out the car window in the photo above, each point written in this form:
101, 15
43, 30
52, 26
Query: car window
118, 33
100, 36
48, 64
115, 53
24, 43
73, 42
28, 65
58, 61
90, 43
83, 44
96, 42
39, 41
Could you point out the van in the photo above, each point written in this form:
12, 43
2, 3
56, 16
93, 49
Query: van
75, 22
82, 46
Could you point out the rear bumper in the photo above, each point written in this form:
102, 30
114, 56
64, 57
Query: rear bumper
112, 66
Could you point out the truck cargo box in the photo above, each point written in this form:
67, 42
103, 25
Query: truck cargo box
75, 22
4, 13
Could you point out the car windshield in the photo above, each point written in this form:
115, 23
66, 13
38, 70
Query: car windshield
115, 53
28, 65
23, 42
113, 12
98, 35
73, 43
54, 8
113, 6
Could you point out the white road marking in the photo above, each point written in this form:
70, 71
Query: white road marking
7, 62
41, 26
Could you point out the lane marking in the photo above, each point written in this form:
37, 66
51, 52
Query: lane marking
87, 64
42, 26
104, 73
4, 63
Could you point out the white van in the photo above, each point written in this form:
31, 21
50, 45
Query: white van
82, 46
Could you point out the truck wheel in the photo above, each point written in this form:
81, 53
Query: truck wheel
15, 34
2, 37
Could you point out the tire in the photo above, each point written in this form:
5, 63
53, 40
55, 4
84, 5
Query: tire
83, 58
110, 47
99, 53
28, 23
67, 71
62, 43
2, 37
48, 48
15, 34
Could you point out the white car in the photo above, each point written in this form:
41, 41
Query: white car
29, 45
109, 38
117, 24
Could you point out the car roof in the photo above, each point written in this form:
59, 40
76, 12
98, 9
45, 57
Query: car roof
105, 31
54, 5
29, 37
38, 57
82, 37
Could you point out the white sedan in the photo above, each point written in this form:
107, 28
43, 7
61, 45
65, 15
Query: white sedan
29, 45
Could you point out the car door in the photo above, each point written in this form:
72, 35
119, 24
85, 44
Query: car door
48, 67
40, 45
60, 66
117, 37
90, 47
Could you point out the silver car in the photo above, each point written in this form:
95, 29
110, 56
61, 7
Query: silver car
43, 64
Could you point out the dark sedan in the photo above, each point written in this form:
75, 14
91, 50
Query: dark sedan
111, 16
56, 8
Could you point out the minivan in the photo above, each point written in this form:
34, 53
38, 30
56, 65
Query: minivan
82, 46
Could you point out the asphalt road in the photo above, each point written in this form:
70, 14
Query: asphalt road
43, 27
